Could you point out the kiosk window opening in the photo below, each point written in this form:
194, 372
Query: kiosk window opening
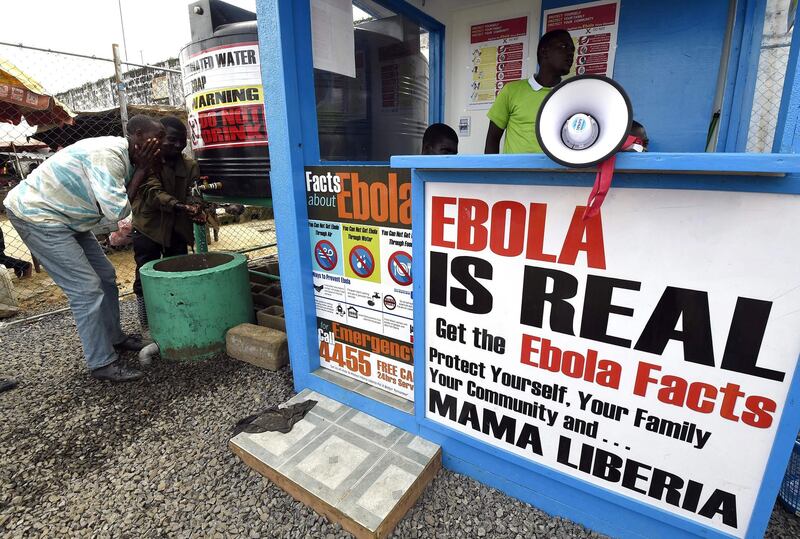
371, 82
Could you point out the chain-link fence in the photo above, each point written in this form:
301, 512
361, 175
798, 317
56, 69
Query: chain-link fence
772, 63
88, 87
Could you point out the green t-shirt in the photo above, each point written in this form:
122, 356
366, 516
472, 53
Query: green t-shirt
515, 110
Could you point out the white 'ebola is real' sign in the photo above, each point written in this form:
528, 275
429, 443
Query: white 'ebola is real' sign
648, 351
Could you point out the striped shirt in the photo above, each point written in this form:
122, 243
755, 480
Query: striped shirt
78, 186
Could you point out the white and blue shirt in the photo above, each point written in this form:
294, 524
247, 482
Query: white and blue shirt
77, 187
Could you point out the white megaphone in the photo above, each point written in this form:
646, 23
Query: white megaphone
583, 122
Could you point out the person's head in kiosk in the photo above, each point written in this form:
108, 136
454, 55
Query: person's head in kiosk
439, 139
517, 105
640, 134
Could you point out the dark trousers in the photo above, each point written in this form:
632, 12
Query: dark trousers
146, 250
15, 264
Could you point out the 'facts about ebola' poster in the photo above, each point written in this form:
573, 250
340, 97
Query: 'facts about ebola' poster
648, 351
224, 97
359, 219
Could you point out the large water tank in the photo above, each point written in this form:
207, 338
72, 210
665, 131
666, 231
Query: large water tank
224, 99
383, 110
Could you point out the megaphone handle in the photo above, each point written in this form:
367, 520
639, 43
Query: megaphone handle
602, 183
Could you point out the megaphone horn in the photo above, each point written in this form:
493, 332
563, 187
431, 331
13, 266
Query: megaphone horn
584, 122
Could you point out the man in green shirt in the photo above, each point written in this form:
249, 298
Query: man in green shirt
162, 220
515, 109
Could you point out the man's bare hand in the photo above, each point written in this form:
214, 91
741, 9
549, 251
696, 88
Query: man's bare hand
148, 155
199, 218
189, 209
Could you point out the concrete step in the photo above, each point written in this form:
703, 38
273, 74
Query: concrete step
346, 465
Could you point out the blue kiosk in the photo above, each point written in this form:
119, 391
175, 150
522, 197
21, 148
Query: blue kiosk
634, 372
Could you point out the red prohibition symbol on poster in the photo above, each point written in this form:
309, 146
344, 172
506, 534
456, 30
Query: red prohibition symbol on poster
361, 261
325, 254
400, 268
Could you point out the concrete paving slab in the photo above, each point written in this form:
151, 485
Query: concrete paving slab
355, 469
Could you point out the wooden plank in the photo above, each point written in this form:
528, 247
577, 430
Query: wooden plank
684, 163
410, 497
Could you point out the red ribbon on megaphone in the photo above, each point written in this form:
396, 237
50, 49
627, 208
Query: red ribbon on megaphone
602, 182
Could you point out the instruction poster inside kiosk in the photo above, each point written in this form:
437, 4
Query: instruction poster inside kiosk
360, 226
593, 27
648, 351
499, 54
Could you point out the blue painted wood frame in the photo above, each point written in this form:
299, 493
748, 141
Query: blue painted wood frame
682, 163
786, 136
740, 83
734, 56
282, 100
554, 492
287, 71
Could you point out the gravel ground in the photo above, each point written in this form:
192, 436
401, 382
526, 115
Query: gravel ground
79, 458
